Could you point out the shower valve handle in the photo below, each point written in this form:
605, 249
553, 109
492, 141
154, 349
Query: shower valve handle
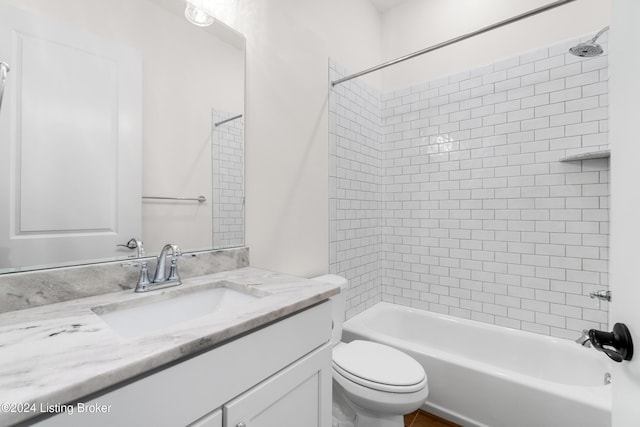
616, 344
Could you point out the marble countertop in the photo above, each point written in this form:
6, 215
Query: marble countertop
61, 352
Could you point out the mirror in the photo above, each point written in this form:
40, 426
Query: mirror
114, 124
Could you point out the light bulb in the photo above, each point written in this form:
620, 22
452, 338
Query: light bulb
197, 16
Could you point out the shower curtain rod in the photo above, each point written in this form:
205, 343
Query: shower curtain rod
532, 12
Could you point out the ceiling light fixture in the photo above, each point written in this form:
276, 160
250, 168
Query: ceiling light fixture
197, 15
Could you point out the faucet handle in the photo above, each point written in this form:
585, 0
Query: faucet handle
143, 278
617, 344
176, 251
173, 269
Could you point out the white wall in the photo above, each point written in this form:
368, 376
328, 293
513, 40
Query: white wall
417, 24
288, 46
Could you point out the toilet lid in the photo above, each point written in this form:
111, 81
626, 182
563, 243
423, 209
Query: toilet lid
378, 366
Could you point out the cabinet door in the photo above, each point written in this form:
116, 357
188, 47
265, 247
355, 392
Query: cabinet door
299, 395
213, 419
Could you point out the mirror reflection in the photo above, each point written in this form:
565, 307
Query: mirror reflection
110, 128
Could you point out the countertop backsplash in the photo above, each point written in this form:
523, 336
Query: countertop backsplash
36, 288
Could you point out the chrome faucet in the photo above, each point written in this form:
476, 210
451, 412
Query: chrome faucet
160, 278
601, 295
161, 270
584, 339
143, 278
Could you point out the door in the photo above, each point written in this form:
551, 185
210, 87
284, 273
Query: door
624, 134
70, 138
299, 395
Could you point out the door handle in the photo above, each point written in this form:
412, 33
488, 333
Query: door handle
4, 70
616, 344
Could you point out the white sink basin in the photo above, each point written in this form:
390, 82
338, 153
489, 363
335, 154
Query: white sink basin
153, 312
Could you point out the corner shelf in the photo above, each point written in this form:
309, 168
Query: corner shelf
589, 155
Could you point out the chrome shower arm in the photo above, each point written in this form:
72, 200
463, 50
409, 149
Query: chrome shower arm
4, 70
602, 31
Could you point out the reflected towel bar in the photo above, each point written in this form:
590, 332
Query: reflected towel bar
227, 120
200, 199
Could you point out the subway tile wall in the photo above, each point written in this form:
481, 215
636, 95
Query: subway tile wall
478, 217
228, 180
355, 192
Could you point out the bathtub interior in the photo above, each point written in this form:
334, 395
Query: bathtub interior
506, 350
487, 375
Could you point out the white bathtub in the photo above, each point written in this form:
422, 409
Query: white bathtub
486, 375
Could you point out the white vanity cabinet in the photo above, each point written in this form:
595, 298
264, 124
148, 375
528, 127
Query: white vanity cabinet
290, 398
278, 375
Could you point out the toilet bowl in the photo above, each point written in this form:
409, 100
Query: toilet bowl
374, 385
381, 383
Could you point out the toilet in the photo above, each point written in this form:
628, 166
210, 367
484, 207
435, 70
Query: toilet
374, 385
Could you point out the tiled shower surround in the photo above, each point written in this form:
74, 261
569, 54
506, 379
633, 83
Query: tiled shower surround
228, 184
355, 207
449, 196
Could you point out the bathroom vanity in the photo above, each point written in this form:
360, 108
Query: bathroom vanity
260, 361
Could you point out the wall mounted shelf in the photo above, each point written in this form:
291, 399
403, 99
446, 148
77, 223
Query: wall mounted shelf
589, 155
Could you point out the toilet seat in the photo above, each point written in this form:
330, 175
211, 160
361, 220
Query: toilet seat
378, 367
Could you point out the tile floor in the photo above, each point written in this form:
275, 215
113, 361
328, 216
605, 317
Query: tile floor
421, 418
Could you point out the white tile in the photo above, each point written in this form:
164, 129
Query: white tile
536, 306
534, 55
534, 101
519, 93
494, 77
550, 86
582, 104
566, 70
550, 110
535, 78
548, 63
595, 89
521, 70
408, 214
583, 79
582, 128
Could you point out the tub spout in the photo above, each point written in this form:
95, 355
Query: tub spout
584, 339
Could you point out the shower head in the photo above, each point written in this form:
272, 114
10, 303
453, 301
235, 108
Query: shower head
590, 48
587, 50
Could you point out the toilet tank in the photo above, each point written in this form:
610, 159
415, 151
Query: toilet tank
337, 303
